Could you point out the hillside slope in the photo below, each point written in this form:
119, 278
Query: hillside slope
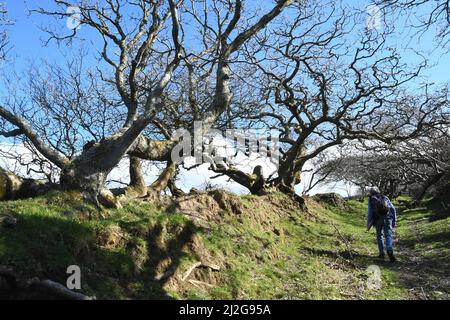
221, 246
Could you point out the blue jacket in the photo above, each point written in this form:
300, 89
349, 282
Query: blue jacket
392, 213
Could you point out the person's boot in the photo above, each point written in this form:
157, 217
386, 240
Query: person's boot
381, 256
391, 256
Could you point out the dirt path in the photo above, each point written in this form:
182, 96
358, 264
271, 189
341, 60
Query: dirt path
424, 271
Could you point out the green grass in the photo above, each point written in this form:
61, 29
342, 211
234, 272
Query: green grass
425, 237
307, 261
111, 247
321, 255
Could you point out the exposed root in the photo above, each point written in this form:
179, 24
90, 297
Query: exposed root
13, 187
58, 289
11, 283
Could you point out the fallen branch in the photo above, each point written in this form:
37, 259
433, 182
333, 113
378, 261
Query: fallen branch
423, 293
58, 289
53, 287
198, 265
189, 271
347, 244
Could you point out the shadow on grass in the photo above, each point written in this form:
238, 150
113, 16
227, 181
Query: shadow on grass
44, 246
424, 275
440, 211
423, 266
440, 239
349, 256
164, 261
432, 211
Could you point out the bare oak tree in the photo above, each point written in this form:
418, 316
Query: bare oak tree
143, 47
425, 15
327, 79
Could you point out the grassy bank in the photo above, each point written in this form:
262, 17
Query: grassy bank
262, 247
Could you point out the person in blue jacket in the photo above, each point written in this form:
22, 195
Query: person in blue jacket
384, 222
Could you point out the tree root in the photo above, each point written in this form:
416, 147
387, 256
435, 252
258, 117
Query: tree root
13, 187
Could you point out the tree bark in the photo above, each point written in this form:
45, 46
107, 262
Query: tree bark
427, 185
289, 171
137, 184
164, 178
13, 187
174, 190
89, 170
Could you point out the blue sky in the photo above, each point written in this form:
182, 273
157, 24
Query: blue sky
26, 39
25, 36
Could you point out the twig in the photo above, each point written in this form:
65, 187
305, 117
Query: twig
344, 240
423, 293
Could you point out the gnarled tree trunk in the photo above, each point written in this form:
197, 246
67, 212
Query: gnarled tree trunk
164, 178
137, 187
13, 187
